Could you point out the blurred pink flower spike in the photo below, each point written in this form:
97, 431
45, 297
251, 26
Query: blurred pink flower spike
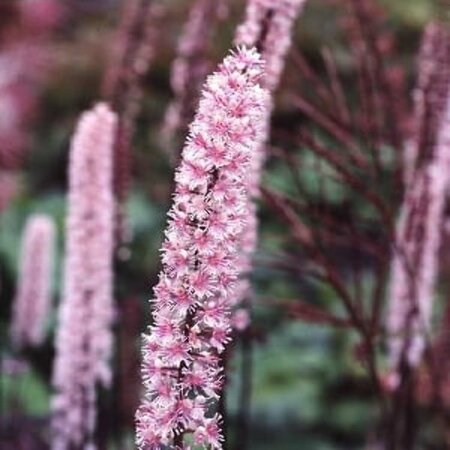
84, 338
181, 367
32, 302
268, 26
415, 262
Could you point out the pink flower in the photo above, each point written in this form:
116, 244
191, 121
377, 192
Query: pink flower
268, 26
202, 228
415, 261
33, 297
241, 319
84, 340
209, 434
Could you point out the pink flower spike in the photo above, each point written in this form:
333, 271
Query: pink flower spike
84, 339
415, 261
192, 308
268, 26
209, 434
32, 303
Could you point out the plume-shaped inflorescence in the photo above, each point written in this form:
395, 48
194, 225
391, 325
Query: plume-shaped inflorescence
415, 264
418, 234
83, 341
33, 297
181, 368
268, 27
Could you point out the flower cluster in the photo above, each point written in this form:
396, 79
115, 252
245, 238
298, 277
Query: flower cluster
181, 369
268, 26
33, 298
84, 339
415, 263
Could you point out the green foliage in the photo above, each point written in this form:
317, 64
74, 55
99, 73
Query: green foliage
25, 392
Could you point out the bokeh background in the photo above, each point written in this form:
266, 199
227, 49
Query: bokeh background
310, 390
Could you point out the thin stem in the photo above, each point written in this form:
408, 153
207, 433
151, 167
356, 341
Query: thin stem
244, 413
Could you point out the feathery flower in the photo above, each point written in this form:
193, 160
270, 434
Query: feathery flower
415, 263
181, 368
33, 297
268, 26
84, 338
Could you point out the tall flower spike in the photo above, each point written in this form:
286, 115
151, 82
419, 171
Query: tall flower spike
267, 26
415, 263
33, 297
181, 353
83, 340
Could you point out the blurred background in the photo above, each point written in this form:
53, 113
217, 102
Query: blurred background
309, 386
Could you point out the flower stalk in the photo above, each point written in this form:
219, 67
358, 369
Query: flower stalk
192, 307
